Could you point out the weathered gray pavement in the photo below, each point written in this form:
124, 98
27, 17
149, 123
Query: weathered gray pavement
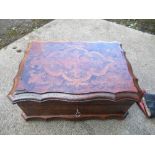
140, 48
6, 24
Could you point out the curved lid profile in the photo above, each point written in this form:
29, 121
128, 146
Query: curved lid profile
75, 71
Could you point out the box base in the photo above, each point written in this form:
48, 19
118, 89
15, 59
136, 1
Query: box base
76, 117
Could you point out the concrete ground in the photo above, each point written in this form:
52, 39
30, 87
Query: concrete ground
7, 24
13, 29
140, 48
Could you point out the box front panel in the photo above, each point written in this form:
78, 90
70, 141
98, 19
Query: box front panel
74, 108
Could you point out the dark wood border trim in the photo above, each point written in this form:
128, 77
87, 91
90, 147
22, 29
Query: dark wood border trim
135, 79
20, 68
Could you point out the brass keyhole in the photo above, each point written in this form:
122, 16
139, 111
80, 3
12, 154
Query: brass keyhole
77, 114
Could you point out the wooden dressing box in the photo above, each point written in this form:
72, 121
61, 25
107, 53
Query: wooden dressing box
75, 81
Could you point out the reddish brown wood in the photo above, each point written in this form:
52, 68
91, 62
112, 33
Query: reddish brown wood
78, 111
73, 117
60, 79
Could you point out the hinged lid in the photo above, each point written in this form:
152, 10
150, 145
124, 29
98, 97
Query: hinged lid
74, 71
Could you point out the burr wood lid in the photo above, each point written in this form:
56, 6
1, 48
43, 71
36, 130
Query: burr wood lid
75, 71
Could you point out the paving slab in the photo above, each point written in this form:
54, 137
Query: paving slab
140, 49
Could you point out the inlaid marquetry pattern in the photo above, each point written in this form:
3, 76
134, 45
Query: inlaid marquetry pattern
73, 67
